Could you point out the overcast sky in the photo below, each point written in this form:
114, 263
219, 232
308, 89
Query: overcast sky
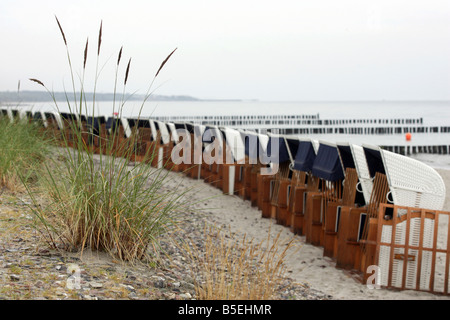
236, 49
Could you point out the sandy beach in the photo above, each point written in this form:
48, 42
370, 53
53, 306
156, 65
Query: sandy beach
305, 263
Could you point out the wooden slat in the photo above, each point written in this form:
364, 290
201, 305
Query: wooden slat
447, 257
419, 258
406, 248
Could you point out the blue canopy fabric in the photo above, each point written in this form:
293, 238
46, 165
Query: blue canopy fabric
251, 143
113, 123
345, 153
276, 156
95, 122
180, 125
327, 164
293, 145
208, 134
190, 127
374, 161
305, 156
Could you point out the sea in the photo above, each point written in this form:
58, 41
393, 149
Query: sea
432, 113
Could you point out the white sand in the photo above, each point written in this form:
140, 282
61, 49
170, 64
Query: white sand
305, 262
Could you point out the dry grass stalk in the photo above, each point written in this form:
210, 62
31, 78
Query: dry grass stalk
164, 62
228, 269
85, 53
61, 29
126, 72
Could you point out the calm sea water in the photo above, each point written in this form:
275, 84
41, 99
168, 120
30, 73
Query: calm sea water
432, 112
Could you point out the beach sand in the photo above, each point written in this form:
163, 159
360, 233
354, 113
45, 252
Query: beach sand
305, 263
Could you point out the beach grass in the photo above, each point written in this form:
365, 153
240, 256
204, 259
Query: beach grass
93, 197
228, 268
23, 147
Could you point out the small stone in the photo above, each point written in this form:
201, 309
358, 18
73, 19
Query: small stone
170, 296
133, 296
176, 284
14, 277
96, 285
186, 295
128, 287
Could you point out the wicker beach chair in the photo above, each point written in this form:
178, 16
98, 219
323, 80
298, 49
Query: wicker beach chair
260, 149
281, 181
98, 135
251, 146
118, 133
173, 141
351, 198
407, 246
54, 124
234, 154
356, 224
302, 182
219, 155
326, 167
164, 151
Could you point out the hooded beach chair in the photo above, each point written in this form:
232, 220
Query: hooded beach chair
279, 186
352, 197
188, 162
173, 142
302, 182
180, 133
255, 148
255, 169
39, 120
251, 147
98, 135
356, 224
140, 139
412, 249
54, 124
169, 138
196, 165
118, 132
70, 123
234, 153
326, 167
161, 149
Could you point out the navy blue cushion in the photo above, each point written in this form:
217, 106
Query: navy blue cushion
327, 164
305, 156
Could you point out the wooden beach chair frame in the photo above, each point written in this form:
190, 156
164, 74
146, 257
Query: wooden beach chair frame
304, 183
327, 167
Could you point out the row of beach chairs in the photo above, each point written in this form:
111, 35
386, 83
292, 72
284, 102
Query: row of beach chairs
365, 206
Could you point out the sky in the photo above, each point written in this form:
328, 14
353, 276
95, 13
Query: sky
285, 50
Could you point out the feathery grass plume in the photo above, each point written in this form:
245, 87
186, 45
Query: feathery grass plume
126, 72
164, 62
37, 81
18, 87
100, 37
120, 55
85, 53
61, 29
